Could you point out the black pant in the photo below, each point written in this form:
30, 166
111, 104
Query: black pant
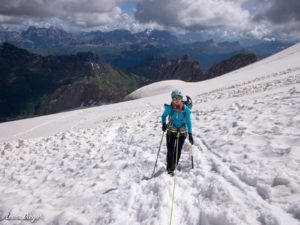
171, 145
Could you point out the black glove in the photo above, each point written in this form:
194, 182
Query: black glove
191, 138
164, 127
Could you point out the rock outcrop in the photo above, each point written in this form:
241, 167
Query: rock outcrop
35, 85
234, 63
80, 94
187, 69
184, 69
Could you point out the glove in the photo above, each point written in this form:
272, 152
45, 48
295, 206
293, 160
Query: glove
191, 138
164, 127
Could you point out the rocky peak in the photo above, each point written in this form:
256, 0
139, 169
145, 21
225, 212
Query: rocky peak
40, 37
9, 53
36, 85
184, 69
187, 69
80, 94
186, 57
234, 63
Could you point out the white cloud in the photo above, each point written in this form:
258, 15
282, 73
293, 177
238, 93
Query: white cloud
5, 19
80, 13
70, 15
228, 18
42, 8
129, 23
236, 18
258, 31
194, 14
95, 19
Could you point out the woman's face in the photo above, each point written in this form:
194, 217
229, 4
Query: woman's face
177, 100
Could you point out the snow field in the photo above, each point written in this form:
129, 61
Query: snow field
246, 169
97, 170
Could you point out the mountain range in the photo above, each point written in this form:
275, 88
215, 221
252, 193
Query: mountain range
32, 85
127, 50
188, 69
35, 37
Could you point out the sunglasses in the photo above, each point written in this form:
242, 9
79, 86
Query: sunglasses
177, 98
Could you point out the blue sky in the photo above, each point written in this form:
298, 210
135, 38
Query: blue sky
129, 7
229, 19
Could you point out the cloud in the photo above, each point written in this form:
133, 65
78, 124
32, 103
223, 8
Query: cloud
236, 18
95, 19
279, 11
44, 8
81, 13
71, 15
225, 18
26, 8
281, 16
194, 14
129, 23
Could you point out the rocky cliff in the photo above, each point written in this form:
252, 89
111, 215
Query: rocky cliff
187, 69
80, 94
234, 63
34, 85
184, 69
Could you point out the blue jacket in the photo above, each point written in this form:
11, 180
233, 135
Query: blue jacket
179, 119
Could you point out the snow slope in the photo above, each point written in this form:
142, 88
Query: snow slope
93, 166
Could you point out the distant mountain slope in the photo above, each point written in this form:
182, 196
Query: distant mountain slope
184, 69
283, 64
188, 69
150, 68
35, 37
127, 50
234, 63
36, 85
31, 84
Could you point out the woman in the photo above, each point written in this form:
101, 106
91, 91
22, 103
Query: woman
179, 120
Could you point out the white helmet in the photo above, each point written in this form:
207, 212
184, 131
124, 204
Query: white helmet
176, 93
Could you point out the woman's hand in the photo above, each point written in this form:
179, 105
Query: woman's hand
191, 138
164, 127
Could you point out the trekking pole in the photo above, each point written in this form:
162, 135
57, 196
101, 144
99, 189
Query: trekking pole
173, 195
162, 137
192, 157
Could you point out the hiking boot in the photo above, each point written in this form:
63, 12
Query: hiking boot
171, 172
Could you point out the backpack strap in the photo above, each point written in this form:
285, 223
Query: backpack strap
184, 114
171, 115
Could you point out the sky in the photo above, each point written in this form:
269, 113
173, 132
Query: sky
262, 19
